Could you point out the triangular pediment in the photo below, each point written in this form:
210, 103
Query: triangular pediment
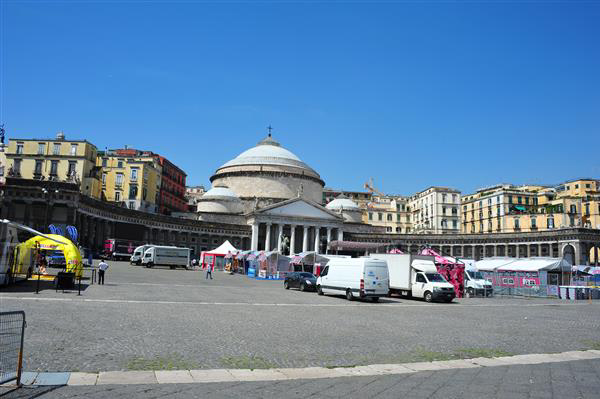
299, 208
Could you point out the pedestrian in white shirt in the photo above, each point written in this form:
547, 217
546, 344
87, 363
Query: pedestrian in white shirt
102, 267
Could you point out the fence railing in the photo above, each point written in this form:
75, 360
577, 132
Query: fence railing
12, 331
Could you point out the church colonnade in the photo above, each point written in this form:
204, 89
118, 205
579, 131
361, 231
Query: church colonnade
268, 236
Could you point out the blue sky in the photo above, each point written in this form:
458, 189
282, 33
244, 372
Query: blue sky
413, 94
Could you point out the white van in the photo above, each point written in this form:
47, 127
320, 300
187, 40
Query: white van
166, 256
355, 278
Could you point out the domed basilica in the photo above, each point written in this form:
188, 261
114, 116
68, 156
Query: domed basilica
269, 188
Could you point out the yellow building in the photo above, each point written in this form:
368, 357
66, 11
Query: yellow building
57, 160
131, 178
507, 208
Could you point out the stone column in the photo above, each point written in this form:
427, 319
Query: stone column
268, 238
293, 240
506, 250
254, 244
279, 236
328, 239
317, 238
305, 239
340, 234
539, 250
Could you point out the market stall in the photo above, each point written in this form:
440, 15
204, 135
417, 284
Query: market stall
216, 258
539, 276
272, 265
33, 250
308, 261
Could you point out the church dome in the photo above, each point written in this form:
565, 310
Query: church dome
342, 203
269, 173
220, 199
220, 191
269, 152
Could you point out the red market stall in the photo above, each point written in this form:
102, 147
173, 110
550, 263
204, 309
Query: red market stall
215, 259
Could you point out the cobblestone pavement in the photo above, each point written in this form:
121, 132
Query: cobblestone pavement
160, 318
578, 379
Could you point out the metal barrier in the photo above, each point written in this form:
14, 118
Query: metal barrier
12, 331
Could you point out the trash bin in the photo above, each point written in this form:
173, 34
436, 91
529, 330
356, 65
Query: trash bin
65, 280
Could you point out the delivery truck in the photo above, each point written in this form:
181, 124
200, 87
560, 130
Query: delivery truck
166, 256
416, 276
138, 253
354, 278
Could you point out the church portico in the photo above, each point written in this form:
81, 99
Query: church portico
286, 225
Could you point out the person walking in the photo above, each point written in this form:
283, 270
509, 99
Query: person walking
102, 267
209, 271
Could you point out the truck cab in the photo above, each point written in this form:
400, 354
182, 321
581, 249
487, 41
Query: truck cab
431, 286
476, 285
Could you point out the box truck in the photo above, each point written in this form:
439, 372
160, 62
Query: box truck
416, 276
166, 256
138, 253
354, 278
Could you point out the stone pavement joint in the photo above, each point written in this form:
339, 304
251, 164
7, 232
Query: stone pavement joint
243, 375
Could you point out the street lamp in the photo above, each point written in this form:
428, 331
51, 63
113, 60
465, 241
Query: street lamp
47, 193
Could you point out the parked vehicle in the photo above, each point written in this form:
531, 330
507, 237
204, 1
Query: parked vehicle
138, 253
355, 278
166, 256
303, 280
476, 285
416, 276
118, 249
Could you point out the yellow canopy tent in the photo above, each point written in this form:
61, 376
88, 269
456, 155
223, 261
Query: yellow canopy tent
50, 242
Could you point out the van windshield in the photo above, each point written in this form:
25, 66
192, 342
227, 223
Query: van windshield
435, 278
476, 275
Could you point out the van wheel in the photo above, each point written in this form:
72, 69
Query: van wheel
302, 287
286, 285
349, 295
319, 290
469, 293
428, 297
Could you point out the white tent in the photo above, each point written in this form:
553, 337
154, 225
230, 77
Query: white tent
537, 264
222, 249
491, 264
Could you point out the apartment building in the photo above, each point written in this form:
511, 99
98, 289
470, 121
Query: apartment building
508, 208
435, 210
131, 178
389, 211
56, 159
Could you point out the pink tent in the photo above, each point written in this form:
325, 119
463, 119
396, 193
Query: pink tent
454, 272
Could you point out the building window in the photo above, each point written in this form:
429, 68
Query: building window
134, 174
370, 216
119, 164
72, 166
533, 223
131, 204
573, 208
388, 229
104, 179
54, 168
443, 210
576, 186
17, 167
38, 167
117, 196
56, 150
380, 216
41, 148
519, 200
73, 149
454, 224
119, 180
444, 223
526, 200
517, 226
444, 198
19, 148
133, 190
389, 217
588, 186
398, 217
587, 209
510, 199
453, 198
104, 162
